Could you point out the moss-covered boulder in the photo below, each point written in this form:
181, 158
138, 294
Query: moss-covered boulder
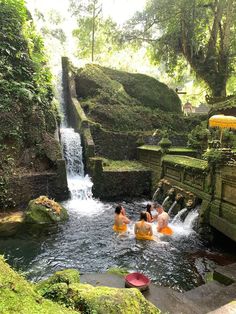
89, 299
125, 88
19, 296
42, 210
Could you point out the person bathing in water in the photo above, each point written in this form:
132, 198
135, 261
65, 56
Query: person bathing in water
142, 229
121, 221
149, 213
162, 221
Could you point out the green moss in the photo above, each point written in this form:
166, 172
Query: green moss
171, 149
147, 90
122, 101
100, 300
185, 161
26, 108
118, 271
40, 214
67, 276
122, 165
19, 297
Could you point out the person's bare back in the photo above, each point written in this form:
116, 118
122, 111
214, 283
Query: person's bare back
162, 220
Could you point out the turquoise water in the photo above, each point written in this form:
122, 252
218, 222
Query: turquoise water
87, 242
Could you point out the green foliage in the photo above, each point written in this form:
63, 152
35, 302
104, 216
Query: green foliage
198, 137
26, 111
105, 40
214, 157
201, 32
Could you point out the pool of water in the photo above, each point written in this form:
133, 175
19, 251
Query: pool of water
87, 242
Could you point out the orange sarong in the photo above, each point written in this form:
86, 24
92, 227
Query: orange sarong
143, 236
122, 228
166, 231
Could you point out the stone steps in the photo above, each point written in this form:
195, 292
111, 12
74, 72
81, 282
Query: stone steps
210, 296
204, 299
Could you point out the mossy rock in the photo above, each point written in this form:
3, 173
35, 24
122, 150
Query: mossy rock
147, 90
118, 271
125, 88
38, 213
91, 81
67, 276
51, 147
100, 300
19, 297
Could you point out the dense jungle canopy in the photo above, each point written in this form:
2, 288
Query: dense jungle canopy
202, 32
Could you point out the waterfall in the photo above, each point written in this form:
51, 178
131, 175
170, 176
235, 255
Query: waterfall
165, 200
80, 186
72, 152
177, 218
155, 194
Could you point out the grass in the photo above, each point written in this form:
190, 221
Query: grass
123, 165
172, 149
186, 161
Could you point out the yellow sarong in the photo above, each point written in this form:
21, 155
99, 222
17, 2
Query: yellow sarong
166, 231
143, 236
122, 228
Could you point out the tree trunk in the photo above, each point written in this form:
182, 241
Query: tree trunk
93, 32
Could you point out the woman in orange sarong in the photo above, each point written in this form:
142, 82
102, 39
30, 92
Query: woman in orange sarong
121, 220
142, 229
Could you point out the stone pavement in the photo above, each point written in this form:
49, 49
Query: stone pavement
213, 297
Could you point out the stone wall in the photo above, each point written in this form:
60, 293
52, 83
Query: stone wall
110, 185
223, 207
31, 185
114, 145
151, 156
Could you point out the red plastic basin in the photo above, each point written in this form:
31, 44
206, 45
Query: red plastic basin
137, 280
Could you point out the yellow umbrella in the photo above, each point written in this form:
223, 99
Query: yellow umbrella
222, 122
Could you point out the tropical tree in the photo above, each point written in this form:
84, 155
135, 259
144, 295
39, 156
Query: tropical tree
200, 31
97, 47
87, 12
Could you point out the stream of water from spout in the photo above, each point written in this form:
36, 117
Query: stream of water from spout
165, 200
172, 207
177, 218
155, 194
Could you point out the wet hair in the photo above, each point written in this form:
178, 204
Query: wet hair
143, 216
118, 209
148, 209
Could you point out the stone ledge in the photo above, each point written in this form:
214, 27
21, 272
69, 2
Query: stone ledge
225, 274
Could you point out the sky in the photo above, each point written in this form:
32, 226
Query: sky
118, 10
122, 10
